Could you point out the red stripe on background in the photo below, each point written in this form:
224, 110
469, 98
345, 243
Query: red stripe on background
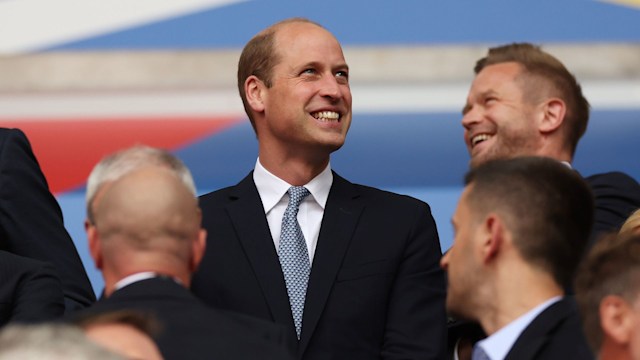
67, 150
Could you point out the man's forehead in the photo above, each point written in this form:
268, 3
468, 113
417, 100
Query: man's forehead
497, 74
301, 33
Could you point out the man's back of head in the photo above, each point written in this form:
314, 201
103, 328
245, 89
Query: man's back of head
148, 210
126, 332
608, 292
520, 228
547, 206
144, 217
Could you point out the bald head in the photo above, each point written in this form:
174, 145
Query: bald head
118, 164
143, 216
148, 208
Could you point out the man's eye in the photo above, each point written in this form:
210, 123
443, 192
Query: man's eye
343, 74
489, 100
309, 71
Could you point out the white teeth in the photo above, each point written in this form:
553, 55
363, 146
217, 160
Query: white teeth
479, 138
326, 115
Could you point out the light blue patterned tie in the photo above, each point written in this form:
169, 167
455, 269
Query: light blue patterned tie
294, 257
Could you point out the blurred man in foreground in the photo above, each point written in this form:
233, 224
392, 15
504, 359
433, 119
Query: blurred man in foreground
519, 230
145, 236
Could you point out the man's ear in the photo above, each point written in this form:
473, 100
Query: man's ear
254, 91
95, 246
494, 235
553, 114
198, 247
616, 319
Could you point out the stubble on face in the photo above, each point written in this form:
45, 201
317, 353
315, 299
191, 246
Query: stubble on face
510, 143
461, 265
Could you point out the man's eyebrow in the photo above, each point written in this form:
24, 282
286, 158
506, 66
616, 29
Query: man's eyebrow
466, 108
342, 66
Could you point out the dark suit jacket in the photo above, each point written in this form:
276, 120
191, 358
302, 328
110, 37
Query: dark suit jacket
375, 289
31, 220
191, 330
29, 290
617, 195
556, 333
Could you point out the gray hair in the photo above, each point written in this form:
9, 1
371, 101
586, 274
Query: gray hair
116, 165
50, 342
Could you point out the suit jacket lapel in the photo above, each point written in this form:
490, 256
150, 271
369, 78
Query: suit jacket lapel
537, 333
247, 215
339, 221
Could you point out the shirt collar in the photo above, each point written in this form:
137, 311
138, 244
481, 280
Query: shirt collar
139, 276
128, 280
271, 188
497, 345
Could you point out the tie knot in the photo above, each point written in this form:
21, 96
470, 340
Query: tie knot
296, 195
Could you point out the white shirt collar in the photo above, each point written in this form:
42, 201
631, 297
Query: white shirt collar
271, 188
497, 345
134, 278
128, 280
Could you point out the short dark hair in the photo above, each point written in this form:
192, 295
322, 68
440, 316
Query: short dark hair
612, 267
548, 207
259, 57
541, 66
143, 321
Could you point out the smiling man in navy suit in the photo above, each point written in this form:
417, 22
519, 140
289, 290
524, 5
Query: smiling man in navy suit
367, 283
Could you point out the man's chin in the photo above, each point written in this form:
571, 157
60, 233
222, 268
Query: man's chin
476, 161
457, 310
480, 159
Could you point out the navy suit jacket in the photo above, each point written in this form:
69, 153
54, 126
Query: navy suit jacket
556, 333
617, 195
191, 330
31, 220
375, 290
29, 290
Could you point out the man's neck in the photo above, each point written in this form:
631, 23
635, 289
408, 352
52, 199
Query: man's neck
113, 281
555, 152
610, 350
294, 171
514, 296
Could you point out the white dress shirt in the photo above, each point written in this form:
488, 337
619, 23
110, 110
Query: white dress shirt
497, 345
274, 196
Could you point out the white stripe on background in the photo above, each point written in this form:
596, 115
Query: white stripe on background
29, 25
603, 95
